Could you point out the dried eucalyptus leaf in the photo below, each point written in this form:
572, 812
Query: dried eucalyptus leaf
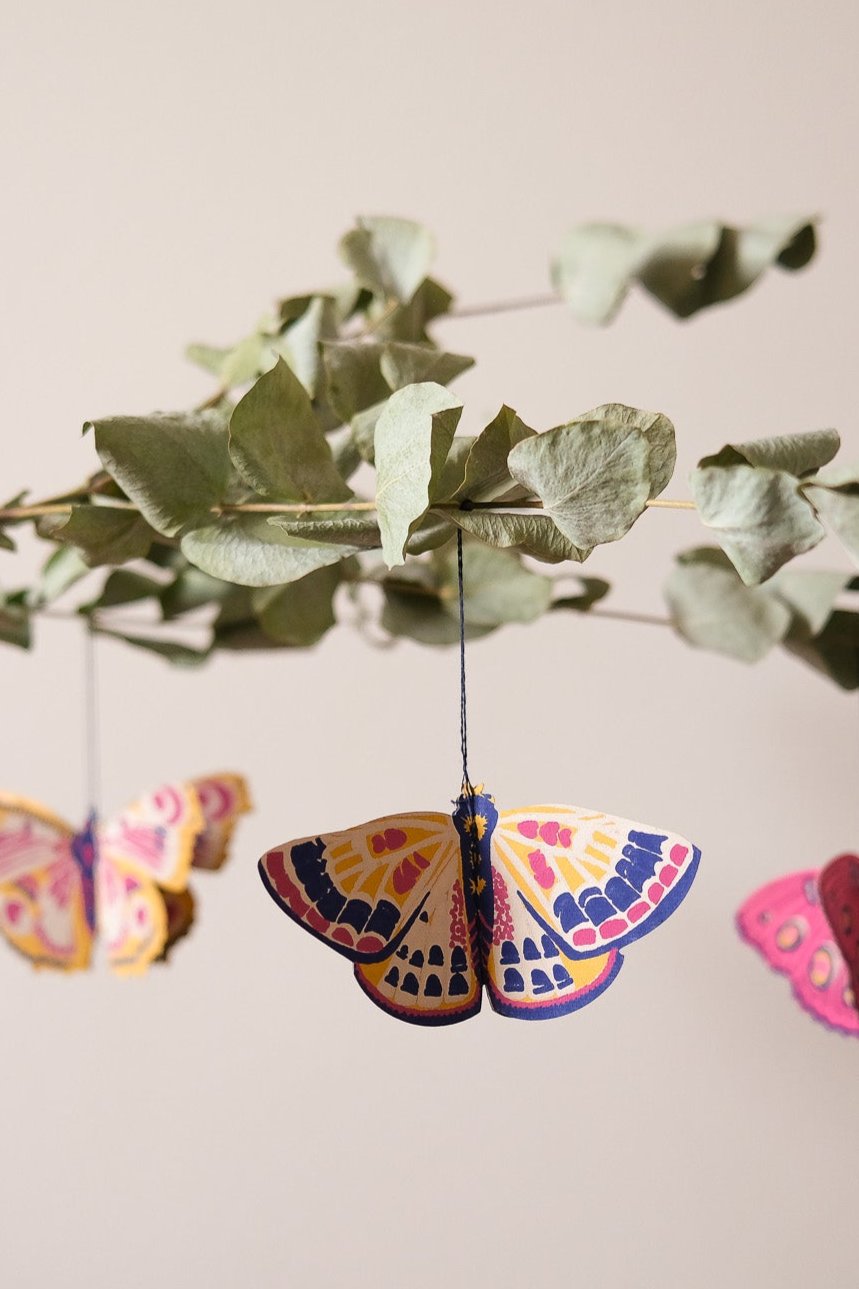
834, 651
760, 517
354, 379
656, 428
6, 542
190, 590
364, 430
299, 614
409, 322
712, 608
453, 473
359, 531
102, 534
686, 268
299, 345
593, 590
595, 266
810, 594
126, 586
62, 569
181, 655
414, 434
431, 533
14, 622
389, 256
278, 445
497, 588
486, 476
248, 550
796, 454
595, 477
175, 468
834, 493
533, 534
739, 258
409, 364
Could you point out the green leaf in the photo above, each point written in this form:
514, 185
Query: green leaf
14, 622
354, 375
594, 268
190, 590
248, 550
102, 535
497, 588
486, 476
432, 532
410, 364
739, 258
834, 651
596, 476
364, 430
388, 256
210, 357
810, 594
796, 454
301, 613
175, 468
759, 516
453, 471
360, 531
180, 655
345, 451
299, 346
414, 606
593, 589
536, 535
712, 609
834, 493
62, 569
687, 268
409, 322
413, 436
125, 586
277, 444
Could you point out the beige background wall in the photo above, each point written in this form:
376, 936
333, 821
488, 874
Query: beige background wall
246, 1117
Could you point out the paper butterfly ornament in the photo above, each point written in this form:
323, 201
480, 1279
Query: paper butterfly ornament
125, 879
806, 926
535, 905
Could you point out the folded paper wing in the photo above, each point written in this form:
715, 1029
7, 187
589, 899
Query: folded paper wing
145, 856
46, 904
785, 922
593, 882
360, 890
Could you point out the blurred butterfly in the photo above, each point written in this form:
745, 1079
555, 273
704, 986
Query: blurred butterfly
806, 925
535, 905
124, 879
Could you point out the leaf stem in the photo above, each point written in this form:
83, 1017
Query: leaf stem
19, 513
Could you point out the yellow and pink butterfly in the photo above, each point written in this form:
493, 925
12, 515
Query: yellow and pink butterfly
124, 880
533, 905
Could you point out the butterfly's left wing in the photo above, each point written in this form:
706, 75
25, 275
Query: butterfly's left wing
593, 882
156, 836
46, 907
223, 798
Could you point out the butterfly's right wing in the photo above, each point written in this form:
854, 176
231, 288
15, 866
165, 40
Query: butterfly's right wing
360, 890
43, 905
784, 921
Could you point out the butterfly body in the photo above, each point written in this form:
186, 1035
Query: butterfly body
533, 906
124, 879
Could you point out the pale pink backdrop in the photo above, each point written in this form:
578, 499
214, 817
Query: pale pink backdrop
246, 1117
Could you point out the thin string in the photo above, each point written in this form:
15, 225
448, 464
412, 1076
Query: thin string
92, 763
463, 703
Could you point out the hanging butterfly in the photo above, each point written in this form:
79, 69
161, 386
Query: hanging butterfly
535, 905
124, 879
806, 926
